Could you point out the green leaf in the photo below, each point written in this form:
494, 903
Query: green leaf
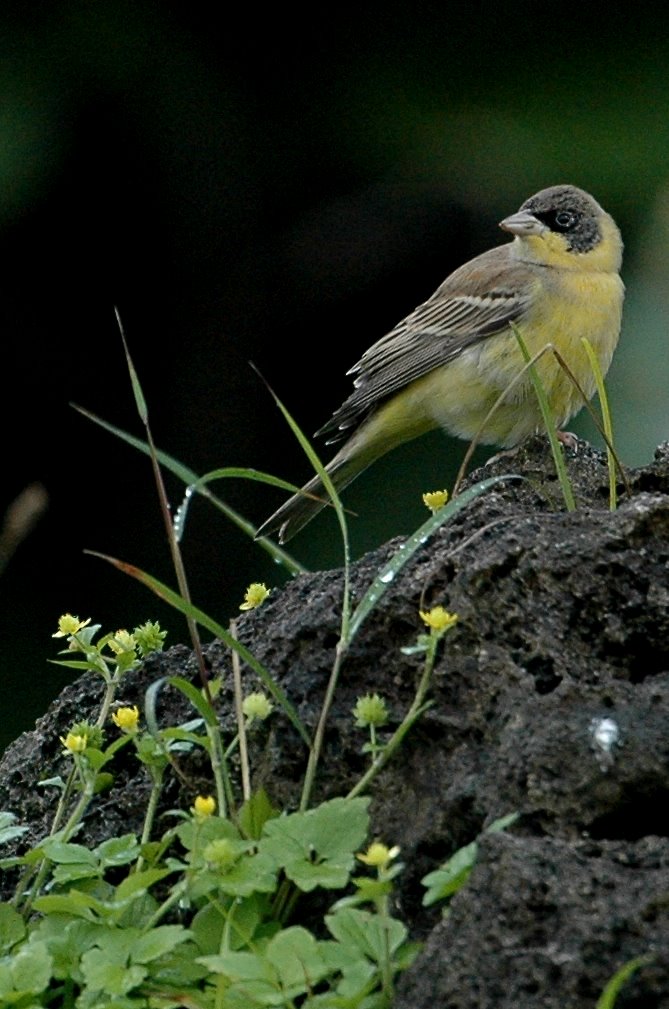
363, 933
184, 606
331, 875
158, 941
336, 827
321, 470
298, 960
242, 918
197, 835
102, 973
548, 419
80, 905
7, 829
78, 664
370, 889
251, 874
606, 419
196, 697
12, 927
452, 875
610, 994
255, 813
207, 928
75, 870
31, 968
316, 847
97, 758
502, 823
251, 968
62, 852
118, 850
56, 782
66, 938
137, 883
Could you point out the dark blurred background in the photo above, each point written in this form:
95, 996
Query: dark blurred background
276, 186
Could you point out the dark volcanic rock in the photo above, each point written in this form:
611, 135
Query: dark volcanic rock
562, 638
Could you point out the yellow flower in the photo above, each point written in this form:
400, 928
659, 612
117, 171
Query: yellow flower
126, 719
378, 855
74, 743
435, 499
438, 619
204, 806
68, 625
256, 594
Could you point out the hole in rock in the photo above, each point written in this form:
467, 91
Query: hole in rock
646, 812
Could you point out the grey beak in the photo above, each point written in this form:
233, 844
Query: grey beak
523, 223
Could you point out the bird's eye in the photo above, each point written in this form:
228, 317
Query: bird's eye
564, 220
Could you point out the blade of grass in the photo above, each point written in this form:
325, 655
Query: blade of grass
606, 418
327, 482
491, 412
344, 635
610, 994
389, 571
186, 607
191, 479
595, 419
175, 551
549, 422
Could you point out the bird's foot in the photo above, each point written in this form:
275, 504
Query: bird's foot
568, 439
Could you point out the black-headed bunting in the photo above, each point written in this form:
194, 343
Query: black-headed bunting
447, 363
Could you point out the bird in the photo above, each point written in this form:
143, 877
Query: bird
447, 363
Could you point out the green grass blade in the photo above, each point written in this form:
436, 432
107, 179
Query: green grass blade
196, 698
173, 598
389, 571
606, 418
608, 998
318, 466
549, 423
140, 401
327, 482
191, 479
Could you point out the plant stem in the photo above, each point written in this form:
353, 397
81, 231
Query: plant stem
157, 775
416, 709
241, 723
319, 735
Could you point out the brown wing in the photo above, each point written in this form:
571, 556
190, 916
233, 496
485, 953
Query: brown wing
477, 300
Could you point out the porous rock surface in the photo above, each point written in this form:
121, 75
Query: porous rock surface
550, 698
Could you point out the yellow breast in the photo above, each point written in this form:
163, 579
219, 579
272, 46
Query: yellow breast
567, 306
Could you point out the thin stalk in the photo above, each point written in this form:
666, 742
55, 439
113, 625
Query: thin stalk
516, 380
344, 636
241, 721
386, 967
151, 808
68, 830
416, 709
174, 898
224, 798
606, 419
110, 691
319, 735
549, 423
177, 559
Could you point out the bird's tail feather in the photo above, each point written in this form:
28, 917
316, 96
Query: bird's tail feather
298, 510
